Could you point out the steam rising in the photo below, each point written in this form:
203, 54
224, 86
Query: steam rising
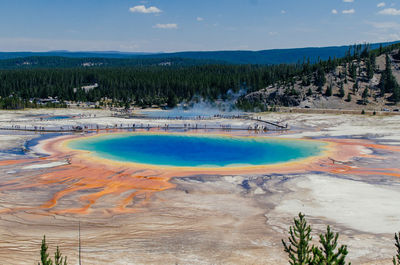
201, 108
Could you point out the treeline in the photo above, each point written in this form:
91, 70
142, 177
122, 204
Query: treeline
34, 62
146, 85
143, 86
13, 103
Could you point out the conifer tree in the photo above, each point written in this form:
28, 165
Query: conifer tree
46, 260
370, 70
365, 96
320, 79
328, 91
396, 259
58, 258
44, 256
326, 254
341, 91
396, 93
348, 97
355, 87
298, 247
309, 92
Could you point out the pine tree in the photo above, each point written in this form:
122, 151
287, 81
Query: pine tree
341, 91
382, 84
396, 93
326, 254
348, 97
298, 247
355, 87
353, 71
320, 79
396, 259
44, 256
365, 96
370, 70
328, 91
46, 260
58, 258
309, 92
172, 100
388, 83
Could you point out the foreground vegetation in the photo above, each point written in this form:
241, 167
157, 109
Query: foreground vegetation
301, 251
45, 257
299, 247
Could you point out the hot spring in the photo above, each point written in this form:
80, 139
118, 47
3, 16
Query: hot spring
183, 150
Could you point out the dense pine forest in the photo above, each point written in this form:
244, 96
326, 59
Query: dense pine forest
144, 86
152, 82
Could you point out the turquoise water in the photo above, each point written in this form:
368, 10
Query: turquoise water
194, 151
59, 117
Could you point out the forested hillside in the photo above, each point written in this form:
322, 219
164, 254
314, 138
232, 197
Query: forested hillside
157, 84
276, 56
362, 78
143, 86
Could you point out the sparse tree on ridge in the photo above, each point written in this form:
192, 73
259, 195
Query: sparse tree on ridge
309, 92
328, 91
370, 70
341, 91
348, 97
365, 96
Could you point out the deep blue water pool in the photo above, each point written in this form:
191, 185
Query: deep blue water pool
195, 151
58, 117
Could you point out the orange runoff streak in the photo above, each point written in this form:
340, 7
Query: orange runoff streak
134, 184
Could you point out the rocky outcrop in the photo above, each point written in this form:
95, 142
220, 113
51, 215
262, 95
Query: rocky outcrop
276, 96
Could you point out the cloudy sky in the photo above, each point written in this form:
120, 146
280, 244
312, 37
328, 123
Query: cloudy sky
179, 25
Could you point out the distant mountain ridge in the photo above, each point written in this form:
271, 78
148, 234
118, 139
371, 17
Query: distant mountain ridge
275, 56
263, 57
69, 54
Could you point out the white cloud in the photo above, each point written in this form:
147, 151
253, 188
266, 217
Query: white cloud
145, 10
394, 36
348, 1
166, 26
384, 25
334, 11
381, 4
390, 12
349, 11
283, 11
199, 19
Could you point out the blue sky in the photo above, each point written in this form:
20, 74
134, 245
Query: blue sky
180, 25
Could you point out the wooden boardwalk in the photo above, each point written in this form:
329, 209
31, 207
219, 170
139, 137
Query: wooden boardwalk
191, 124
